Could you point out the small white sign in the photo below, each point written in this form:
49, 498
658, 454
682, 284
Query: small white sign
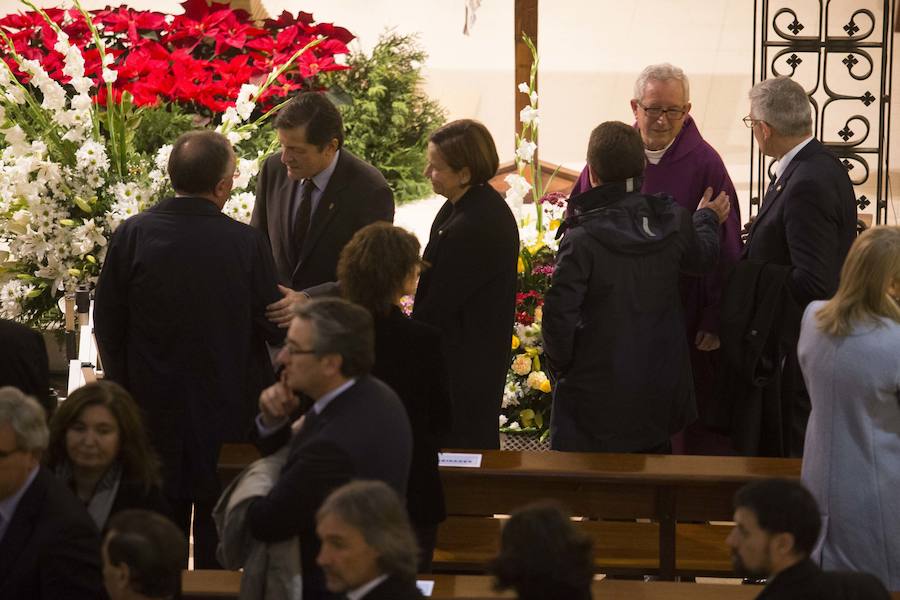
458, 459
426, 587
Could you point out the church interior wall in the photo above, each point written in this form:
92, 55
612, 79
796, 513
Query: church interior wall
590, 55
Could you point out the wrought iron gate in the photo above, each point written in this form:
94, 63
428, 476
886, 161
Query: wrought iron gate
841, 52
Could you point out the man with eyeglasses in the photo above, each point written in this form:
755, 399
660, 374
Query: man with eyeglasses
356, 427
802, 234
681, 164
49, 546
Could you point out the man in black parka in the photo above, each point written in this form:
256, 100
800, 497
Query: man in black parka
613, 322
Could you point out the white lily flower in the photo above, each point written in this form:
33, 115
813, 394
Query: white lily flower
528, 115
525, 151
518, 189
524, 88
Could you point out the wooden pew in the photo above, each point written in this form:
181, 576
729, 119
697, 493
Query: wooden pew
226, 584
676, 494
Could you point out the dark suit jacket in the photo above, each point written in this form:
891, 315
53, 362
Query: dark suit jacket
805, 581
394, 588
356, 195
362, 434
808, 222
469, 293
23, 362
180, 322
51, 549
408, 358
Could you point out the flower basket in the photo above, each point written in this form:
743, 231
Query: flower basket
524, 440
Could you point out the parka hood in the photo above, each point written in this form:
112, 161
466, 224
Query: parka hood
623, 220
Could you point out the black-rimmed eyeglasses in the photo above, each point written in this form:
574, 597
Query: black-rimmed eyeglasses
292, 350
655, 112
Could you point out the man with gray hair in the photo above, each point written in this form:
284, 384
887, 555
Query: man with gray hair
805, 225
681, 164
49, 546
356, 427
368, 546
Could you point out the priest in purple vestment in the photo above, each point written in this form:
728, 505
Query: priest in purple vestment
682, 164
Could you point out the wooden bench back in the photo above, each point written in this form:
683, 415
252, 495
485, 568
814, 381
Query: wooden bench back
674, 496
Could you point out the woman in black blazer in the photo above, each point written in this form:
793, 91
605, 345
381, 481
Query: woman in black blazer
99, 448
469, 290
376, 269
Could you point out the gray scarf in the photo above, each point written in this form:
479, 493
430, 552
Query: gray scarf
104, 494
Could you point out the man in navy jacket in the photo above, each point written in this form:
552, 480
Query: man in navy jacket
807, 222
356, 428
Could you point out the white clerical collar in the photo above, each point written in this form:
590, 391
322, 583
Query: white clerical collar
362, 590
788, 157
654, 156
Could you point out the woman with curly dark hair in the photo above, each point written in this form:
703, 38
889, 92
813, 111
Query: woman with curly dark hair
542, 555
376, 269
98, 446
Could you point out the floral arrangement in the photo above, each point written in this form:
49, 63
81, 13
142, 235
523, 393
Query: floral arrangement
199, 59
527, 396
69, 170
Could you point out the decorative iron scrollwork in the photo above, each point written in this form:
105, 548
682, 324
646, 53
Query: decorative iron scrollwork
842, 54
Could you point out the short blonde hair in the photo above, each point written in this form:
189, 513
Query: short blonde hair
872, 264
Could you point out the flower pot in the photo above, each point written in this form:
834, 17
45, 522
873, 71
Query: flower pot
523, 441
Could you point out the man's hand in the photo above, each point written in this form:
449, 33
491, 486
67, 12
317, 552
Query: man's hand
707, 341
276, 403
721, 205
281, 312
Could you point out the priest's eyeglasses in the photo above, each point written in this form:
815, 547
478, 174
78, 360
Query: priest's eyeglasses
655, 112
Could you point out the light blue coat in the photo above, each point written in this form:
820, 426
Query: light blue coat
851, 460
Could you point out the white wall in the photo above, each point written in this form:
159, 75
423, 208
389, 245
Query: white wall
591, 51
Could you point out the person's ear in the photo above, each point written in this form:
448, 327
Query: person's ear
465, 176
332, 363
119, 576
634, 108
595, 181
782, 544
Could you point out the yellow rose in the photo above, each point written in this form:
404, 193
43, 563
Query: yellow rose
522, 365
538, 314
537, 380
515, 342
546, 387
520, 266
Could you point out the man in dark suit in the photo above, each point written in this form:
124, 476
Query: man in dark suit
807, 222
24, 363
180, 323
368, 546
356, 427
313, 196
776, 527
49, 546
